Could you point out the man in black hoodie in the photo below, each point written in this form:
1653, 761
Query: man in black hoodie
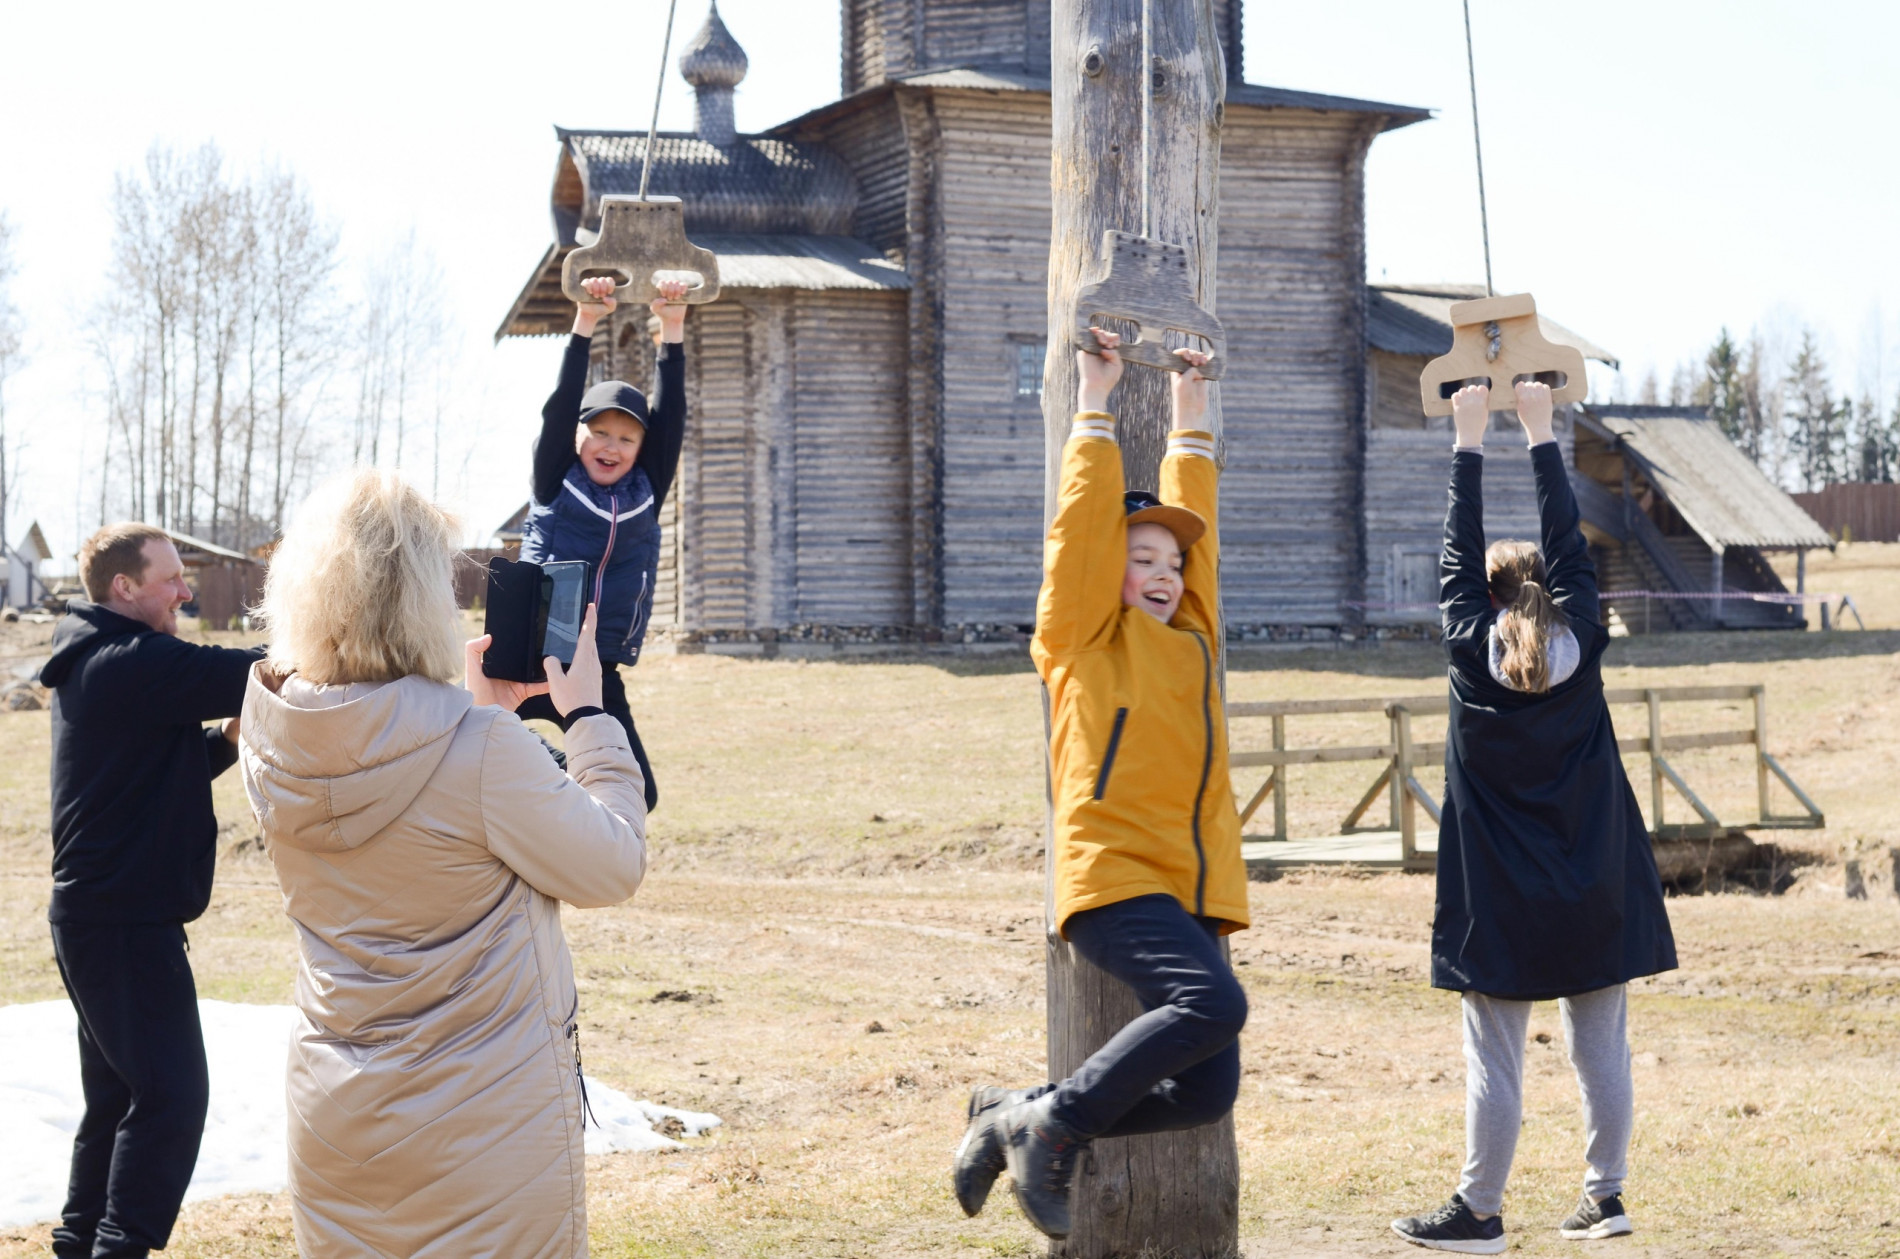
134, 841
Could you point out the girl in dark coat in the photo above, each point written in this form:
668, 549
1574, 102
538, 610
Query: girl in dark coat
1547, 886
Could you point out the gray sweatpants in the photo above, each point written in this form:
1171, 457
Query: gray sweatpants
1596, 1032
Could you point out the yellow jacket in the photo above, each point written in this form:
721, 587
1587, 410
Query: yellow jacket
1138, 738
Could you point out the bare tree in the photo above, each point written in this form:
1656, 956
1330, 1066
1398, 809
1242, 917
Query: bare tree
398, 337
12, 348
216, 349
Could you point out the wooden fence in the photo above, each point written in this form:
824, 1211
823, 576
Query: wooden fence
1859, 510
1401, 754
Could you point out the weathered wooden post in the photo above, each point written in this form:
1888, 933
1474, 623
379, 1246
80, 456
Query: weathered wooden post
1174, 1193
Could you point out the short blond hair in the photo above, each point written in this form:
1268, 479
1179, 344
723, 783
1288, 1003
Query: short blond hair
362, 589
113, 550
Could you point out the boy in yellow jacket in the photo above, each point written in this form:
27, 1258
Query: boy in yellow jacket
1148, 872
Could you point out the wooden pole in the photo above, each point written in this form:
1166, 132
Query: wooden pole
1175, 1193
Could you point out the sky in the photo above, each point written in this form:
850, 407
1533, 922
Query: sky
1656, 171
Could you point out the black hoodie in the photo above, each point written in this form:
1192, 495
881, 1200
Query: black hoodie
134, 836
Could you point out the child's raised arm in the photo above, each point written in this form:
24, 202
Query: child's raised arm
1572, 577
666, 405
1463, 591
554, 445
1191, 479
1086, 552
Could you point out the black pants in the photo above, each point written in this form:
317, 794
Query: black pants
142, 1065
1178, 1065
613, 698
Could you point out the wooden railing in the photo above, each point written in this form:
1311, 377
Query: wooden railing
1398, 782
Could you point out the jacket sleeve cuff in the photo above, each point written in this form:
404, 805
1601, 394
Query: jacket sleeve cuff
1191, 441
1093, 424
672, 352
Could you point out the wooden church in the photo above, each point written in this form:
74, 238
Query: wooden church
864, 454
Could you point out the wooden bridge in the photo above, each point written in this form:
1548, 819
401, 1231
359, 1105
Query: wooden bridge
1682, 848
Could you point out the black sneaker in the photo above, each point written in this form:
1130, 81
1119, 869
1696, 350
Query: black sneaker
1041, 1152
1454, 1227
1593, 1221
979, 1158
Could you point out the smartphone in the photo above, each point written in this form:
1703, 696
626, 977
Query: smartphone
564, 598
533, 611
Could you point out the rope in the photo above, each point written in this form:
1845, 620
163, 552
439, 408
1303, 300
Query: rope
1147, 117
1477, 144
653, 128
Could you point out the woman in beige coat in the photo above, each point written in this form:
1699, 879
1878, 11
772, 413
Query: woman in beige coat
424, 839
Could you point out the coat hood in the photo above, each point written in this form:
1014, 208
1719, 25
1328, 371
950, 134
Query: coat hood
327, 768
84, 629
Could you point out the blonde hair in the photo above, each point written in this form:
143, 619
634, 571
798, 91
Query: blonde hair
1515, 573
362, 589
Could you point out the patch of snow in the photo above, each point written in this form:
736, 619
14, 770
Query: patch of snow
244, 1142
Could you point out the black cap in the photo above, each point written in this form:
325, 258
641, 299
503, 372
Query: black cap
614, 395
1141, 507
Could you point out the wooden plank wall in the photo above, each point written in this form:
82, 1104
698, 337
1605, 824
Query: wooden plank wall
851, 458
714, 532
883, 39
1863, 511
872, 143
980, 32
1291, 285
993, 183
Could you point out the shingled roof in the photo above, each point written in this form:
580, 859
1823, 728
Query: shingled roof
1717, 490
1416, 319
801, 195
757, 184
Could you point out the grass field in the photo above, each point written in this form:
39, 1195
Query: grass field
845, 888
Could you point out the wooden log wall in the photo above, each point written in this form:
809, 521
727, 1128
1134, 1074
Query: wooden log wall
792, 503
715, 533
851, 456
994, 184
884, 39
1292, 296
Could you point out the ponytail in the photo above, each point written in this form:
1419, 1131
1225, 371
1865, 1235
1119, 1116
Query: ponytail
1515, 573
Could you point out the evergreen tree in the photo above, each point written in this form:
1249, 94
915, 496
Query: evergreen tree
1721, 391
1815, 421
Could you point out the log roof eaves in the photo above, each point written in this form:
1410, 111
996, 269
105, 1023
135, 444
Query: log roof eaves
980, 78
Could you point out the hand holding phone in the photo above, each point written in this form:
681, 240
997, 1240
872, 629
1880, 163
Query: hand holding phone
578, 685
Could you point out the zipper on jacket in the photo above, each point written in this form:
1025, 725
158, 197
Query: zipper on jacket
613, 526
1207, 767
1108, 757
580, 1077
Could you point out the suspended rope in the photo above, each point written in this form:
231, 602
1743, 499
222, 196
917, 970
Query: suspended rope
653, 128
1147, 118
1484, 216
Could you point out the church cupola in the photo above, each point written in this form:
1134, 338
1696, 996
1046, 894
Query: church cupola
714, 64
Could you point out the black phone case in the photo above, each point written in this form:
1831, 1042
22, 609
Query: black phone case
516, 620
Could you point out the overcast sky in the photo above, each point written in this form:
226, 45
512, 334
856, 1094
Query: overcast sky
1656, 170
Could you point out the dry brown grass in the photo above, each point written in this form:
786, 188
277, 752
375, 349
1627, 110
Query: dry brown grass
842, 845
1868, 571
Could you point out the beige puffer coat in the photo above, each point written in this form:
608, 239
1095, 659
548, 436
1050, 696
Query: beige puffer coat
423, 846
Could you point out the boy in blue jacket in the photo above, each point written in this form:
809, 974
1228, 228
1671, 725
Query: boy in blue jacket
598, 491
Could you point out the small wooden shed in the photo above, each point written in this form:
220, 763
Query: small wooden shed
227, 583
1672, 507
21, 585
